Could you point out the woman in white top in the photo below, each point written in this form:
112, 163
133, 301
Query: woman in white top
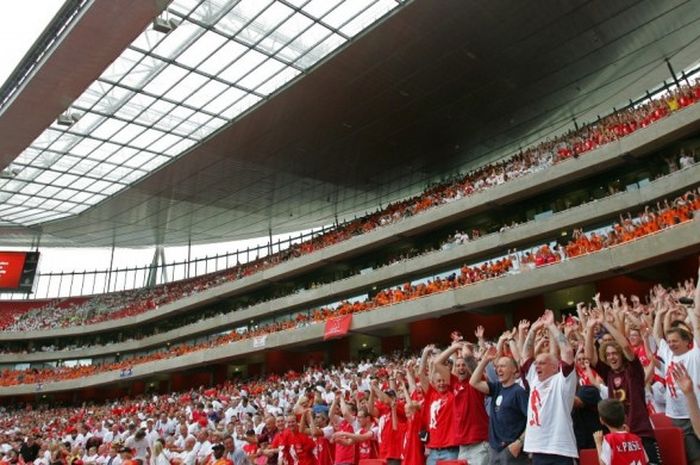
158, 457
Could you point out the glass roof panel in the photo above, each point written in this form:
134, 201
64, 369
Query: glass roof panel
206, 93
261, 74
318, 8
223, 57
345, 12
240, 15
278, 80
245, 64
166, 92
201, 49
168, 77
267, 21
321, 50
185, 87
367, 17
304, 42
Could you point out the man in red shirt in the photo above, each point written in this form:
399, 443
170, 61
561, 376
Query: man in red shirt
392, 423
440, 406
365, 438
472, 422
296, 447
343, 423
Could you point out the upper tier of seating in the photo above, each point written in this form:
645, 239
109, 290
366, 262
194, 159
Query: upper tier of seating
40, 315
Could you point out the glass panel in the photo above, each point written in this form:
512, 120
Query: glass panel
85, 147
127, 133
275, 15
208, 43
148, 137
240, 15
318, 8
46, 138
367, 17
108, 128
155, 162
185, 87
224, 100
243, 66
122, 65
170, 76
87, 122
176, 40
206, 93
320, 51
65, 163
291, 28
261, 74
164, 142
280, 79
301, 44
210, 10
344, 12
241, 106
223, 57
113, 99
134, 106
143, 72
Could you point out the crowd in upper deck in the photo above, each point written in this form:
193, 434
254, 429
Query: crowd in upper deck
99, 308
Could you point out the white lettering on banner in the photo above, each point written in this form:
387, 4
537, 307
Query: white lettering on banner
259, 341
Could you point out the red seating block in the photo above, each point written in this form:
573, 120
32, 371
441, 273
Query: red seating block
588, 457
671, 445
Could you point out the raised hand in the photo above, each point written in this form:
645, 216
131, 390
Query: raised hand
682, 378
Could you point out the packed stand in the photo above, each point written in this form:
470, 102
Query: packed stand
604, 378
570, 145
665, 216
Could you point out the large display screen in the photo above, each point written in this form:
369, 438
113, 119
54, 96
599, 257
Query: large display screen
17, 271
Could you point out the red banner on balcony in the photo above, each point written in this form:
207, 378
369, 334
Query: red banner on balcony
337, 327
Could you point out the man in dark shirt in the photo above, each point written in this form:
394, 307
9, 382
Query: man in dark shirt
625, 378
507, 409
30, 449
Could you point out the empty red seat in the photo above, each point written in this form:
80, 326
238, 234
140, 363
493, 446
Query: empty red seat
372, 462
588, 457
660, 420
671, 445
452, 462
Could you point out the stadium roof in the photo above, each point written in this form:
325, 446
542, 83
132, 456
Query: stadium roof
258, 115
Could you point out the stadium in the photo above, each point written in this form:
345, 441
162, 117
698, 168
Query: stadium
292, 231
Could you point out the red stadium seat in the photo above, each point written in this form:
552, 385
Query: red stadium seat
588, 457
660, 420
451, 462
372, 462
671, 445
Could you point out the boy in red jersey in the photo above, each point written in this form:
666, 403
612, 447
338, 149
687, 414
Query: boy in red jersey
619, 447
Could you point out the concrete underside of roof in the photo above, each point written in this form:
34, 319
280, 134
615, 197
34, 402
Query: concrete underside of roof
434, 89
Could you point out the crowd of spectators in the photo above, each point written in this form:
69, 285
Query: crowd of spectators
650, 221
72, 312
605, 377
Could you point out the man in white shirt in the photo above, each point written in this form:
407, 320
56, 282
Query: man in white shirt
549, 434
680, 347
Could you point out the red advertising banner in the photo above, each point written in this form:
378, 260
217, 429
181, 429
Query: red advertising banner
337, 327
11, 267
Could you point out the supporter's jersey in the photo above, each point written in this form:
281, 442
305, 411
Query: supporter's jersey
472, 422
441, 423
367, 449
623, 449
345, 453
676, 404
390, 440
549, 427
